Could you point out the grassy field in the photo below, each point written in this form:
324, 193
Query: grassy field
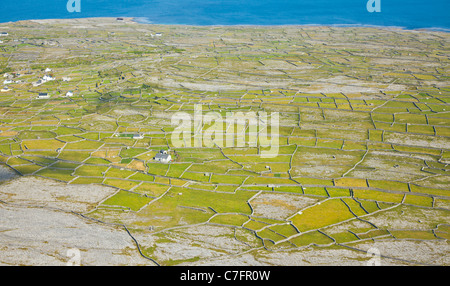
362, 143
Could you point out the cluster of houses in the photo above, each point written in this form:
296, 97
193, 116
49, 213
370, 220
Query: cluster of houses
9, 79
156, 35
44, 79
45, 95
47, 77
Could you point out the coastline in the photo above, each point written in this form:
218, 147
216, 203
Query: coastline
434, 29
146, 21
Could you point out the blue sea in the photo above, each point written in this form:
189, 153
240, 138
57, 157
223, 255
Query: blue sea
408, 14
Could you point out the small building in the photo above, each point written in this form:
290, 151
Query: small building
5, 89
7, 81
43, 95
69, 94
4, 34
47, 78
48, 70
158, 34
162, 156
66, 78
138, 136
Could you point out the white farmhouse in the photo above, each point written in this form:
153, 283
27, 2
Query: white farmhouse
47, 78
162, 157
69, 94
43, 95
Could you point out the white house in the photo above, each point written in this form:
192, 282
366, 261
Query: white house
162, 157
7, 81
4, 34
69, 94
138, 136
43, 95
5, 89
47, 78
48, 70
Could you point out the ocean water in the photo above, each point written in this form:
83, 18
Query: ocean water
408, 14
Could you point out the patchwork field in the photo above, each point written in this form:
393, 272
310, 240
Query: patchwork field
362, 157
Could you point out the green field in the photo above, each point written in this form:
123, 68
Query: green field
363, 139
